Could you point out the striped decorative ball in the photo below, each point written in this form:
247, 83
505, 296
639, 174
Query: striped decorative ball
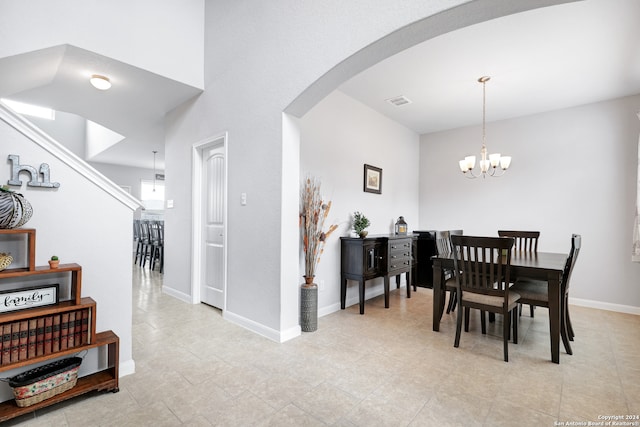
15, 210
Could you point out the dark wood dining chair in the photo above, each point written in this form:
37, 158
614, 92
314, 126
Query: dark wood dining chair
137, 239
156, 230
482, 269
524, 242
144, 243
535, 292
443, 247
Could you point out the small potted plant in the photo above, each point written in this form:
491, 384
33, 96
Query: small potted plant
360, 222
54, 262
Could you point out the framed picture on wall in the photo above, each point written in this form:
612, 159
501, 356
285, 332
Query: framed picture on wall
372, 179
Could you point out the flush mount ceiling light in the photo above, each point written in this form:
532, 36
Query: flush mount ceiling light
100, 82
487, 166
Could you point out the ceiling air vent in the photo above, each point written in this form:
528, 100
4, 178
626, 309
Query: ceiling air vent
399, 100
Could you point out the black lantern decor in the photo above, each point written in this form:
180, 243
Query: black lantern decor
401, 226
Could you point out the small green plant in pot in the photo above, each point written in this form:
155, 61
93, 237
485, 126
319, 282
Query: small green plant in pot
360, 222
54, 262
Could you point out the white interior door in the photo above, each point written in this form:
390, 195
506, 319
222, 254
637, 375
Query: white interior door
213, 206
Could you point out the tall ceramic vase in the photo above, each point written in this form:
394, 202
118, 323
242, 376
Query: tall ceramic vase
309, 305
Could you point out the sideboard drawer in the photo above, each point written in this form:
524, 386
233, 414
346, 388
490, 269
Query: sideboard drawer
399, 257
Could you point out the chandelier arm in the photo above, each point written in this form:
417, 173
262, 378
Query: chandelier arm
470, 175
496, 173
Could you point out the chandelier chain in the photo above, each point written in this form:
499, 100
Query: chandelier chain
484, 111
154, 170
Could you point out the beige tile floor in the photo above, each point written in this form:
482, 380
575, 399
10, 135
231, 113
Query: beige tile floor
386, 368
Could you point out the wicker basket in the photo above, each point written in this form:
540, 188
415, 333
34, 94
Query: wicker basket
44, 382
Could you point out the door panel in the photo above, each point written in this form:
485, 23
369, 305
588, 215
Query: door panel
212, 290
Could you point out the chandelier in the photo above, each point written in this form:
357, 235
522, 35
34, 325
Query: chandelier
487, 166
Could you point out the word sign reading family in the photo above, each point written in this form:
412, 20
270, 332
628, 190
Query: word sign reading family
34, 174
19, 299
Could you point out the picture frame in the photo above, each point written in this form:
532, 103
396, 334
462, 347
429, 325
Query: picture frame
372, 179
25, 298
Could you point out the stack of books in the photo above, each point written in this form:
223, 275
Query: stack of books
30, 338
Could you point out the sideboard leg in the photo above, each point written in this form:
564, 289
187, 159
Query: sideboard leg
361, 296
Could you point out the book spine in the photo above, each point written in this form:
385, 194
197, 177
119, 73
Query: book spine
55, 335
72, 329
40, 337
85, 326
31, 346
24, 339
77, 336
48, 334
5, 356
64, 330
15, 341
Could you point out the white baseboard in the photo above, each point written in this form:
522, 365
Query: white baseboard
177, 294
628, 309
270, 333
260, 329
127, 368
371, 293
323, 311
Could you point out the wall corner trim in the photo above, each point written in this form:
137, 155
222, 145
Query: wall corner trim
59, 151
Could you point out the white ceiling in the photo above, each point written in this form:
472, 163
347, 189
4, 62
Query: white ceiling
540, 60
135, 106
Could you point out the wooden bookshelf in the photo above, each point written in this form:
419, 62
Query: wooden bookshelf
104, 380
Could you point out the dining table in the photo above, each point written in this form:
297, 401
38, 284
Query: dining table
546, 266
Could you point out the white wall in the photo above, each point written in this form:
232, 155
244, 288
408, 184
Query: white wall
141, 33
83, 224
337, 137
71, 131
259, 58
573, 171
126, 175
67, 127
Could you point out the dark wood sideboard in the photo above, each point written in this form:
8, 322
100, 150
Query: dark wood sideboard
424, 244
375, 256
